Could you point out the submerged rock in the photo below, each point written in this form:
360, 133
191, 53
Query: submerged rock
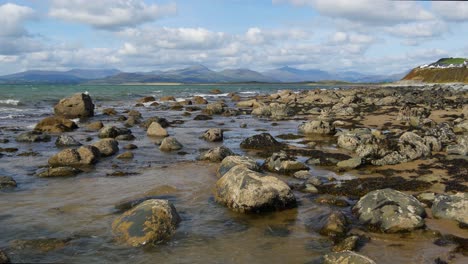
33, 136
78, 105
55, 124
349, 243
59, 172
261, 141
7, 181
391, 211
153, 221
42, 244
247, 191
334, 224
346, 257
216, 154
453, 207
213, 135
113, 132
107, 146
170, 144
85, 155
232, 161
66, 141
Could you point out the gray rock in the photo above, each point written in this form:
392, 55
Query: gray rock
33, 136
454, 207
302, 174
85, 155
283, 163
214, 109
66, 141
317, 127
275, 111
346, 257
390, 210
261, 141
170, 144
156, 130
59, 172
54, 124
232, 161
113, 132
216, 154
245, 191
153, 221
107, 146
461, 148
213, 135
7, 181
78, 105
349, 243
349, 163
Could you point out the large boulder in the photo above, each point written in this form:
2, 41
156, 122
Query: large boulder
78, 105
54, 124
231, 161
346, 257
317, 127
283, 163
216, 154
7, 181
454, 207
213, 135
245, 191
85, 155
156, 130
107, 146
66, 141
390, 211
113, 132
261, 142
33, 136
170, 144
153, 221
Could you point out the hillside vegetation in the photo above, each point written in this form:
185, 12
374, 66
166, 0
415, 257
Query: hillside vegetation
446, 70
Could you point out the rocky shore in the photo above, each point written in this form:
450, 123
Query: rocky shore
396, 162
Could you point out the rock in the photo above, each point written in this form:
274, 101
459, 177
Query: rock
214, 109
352, 139
156, 130
443, 132
349, 163
215, 91
146, 99
126, 155
33, 136
167, 98
107, 146
132, 121
391, 211
413, 146
169, 144
409, 113
7, 181
109, 112
317, 127
461, 148
153, 221
302, 174
134, 114
130, 146
216, 154
453, 207
283, 163
349, 243
125, 137
213, 135
55, 124
202, 117
42, 245
426, 198
334, 224
113, 132
78, 105
261, 141
249, 103
59, 172
85, 155
461, 127
232, 161
199, 100
245, 191
275, 111
66, 141
162, 121
346, 257
94, 126
4, 259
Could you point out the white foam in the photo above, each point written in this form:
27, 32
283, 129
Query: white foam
211, 95
10, 102
11, 116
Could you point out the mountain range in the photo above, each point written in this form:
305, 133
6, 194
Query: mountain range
192, 74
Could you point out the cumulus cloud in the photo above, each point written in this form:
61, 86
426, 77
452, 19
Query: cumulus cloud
452, 10
258, 36
419, 30
109, 14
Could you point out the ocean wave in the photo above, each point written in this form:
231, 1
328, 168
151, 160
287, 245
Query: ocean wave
211, 95
10, 102
11, 116
248, 92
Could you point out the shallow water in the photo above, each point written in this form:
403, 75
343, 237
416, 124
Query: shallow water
81, 209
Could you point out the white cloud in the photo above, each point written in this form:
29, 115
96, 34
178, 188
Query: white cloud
452, 10
257, 36
427, 29
109, 14
12, 18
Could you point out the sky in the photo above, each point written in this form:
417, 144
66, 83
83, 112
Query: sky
368, 36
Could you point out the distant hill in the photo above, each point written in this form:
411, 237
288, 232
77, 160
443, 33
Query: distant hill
445, 70
74, 76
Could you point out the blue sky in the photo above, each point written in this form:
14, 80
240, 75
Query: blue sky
380, 37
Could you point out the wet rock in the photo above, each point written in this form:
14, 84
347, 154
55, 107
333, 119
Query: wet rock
95, 126
332, 200
302, 174
156, 130
215, 91
126, 155
66, 141
134, 114
443, 132
109, 112
7, 181
78, 105
214, 109
275, 111
130, 146
213, 135
317, 127
125, 137
113, 132
85, 155
216, 154
132, 121
162, 121
58, 172
283, 163
245, 191
43, 244
146, 99
454, 207
413, 114
199, 100
349, 243
346, 257
8, 150
461, 127
232, 161
167, 98
426, 198
391, 211
33, 136
249, 103
413, 146
170, 144
334, 224
349, 163
262, 141
202, 117
461, 148
153, 221
107, 146
4, 259
352, 139
55, 124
